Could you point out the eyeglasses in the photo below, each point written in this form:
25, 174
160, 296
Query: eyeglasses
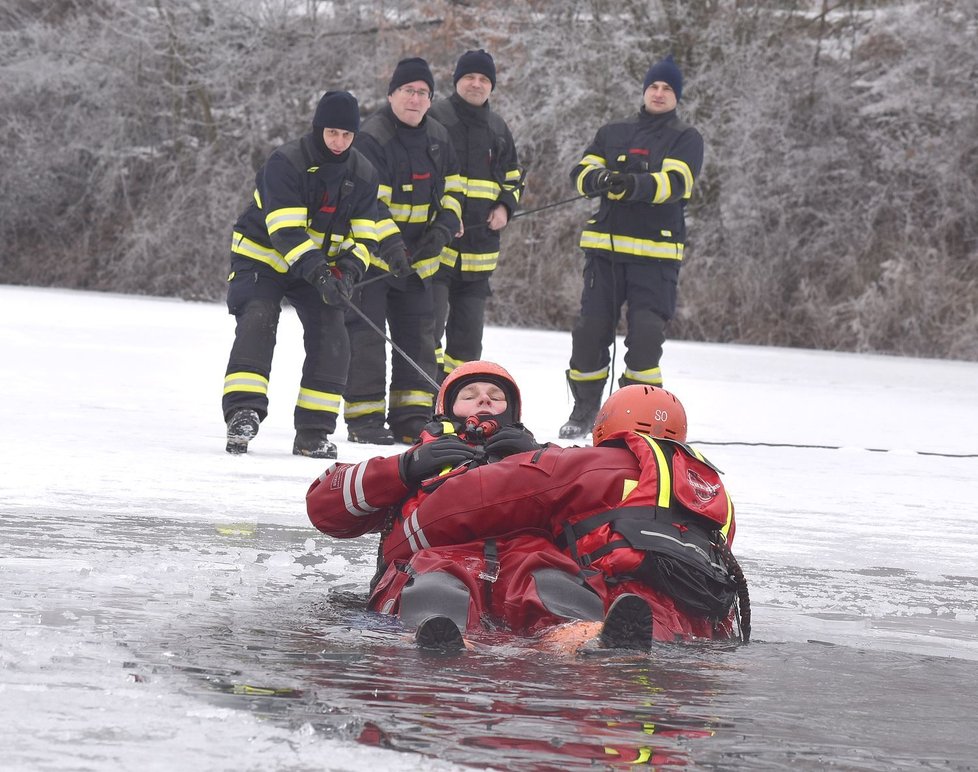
415, 92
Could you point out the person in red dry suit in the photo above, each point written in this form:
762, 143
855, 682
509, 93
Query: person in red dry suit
520, 581
642, 516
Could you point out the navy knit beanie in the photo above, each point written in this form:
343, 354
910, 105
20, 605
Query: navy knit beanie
410, 70
667, 71
476, 61
337, 110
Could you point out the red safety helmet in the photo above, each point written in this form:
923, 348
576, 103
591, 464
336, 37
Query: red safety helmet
472, 372
638, 408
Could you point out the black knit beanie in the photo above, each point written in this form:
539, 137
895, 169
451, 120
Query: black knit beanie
667, 71
410, 70
337, 110
476, 61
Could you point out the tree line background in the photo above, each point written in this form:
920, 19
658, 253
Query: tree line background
837, 208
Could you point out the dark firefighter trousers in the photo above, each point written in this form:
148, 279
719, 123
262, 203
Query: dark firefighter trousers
255, 296
407, 307
649, 287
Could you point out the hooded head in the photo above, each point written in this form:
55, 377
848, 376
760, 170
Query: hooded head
667, 71
410, 70
337, 110
476, 372
475, 62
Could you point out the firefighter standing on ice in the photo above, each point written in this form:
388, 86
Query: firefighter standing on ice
419, 213
306, 236
643, 169
492, 182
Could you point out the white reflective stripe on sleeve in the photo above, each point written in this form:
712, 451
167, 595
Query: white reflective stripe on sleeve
353, 496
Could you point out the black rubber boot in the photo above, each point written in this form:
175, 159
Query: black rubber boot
439, 633
587, 400
370, 434
628, 624
242, 428
313, 443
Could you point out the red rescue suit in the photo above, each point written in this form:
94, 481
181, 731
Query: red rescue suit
658, 493
519, 507
522, 582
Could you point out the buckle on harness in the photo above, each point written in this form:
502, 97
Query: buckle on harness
491, 572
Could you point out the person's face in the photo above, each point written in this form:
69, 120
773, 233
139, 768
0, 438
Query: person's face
479, 397
474, 88
659, 98
410, 102
337, 140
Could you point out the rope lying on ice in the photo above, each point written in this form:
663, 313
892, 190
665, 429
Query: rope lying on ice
834, 447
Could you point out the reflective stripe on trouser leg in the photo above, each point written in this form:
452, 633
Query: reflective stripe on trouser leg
327, 360
594, 328
465, 320
250, 361
366, 385
410, 313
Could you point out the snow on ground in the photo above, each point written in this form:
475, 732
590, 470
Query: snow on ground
840, 465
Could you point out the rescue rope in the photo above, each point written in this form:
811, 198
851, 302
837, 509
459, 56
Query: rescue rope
830, 447
398, 349
743, 597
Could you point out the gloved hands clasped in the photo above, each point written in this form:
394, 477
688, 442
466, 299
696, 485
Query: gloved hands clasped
435, 238
616, 186
515, 438
621, 186
431, 458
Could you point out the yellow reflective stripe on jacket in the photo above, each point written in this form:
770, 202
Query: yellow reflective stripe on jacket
409, 213
487, 189
630, 245
286, 217
588, 164
242, 381
360, 409
427, 267
384, 194
411, 399
471, 261
683, 170
242, 245
386, 228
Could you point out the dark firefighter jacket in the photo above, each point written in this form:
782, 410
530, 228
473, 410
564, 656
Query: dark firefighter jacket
419, 181
304, 199
490, 175
666, 156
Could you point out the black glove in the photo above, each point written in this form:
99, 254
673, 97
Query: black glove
432, 242
335, 284
428, 459
511, 439
621, 186
596, 183
392, 251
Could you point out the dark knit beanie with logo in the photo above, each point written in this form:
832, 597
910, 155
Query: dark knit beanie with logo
337, 110
476, 62
410, 70
666, 71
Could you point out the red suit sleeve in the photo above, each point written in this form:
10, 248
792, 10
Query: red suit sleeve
349, 500
525, 491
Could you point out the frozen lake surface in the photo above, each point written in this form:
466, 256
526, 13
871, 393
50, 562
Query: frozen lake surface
164, 605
